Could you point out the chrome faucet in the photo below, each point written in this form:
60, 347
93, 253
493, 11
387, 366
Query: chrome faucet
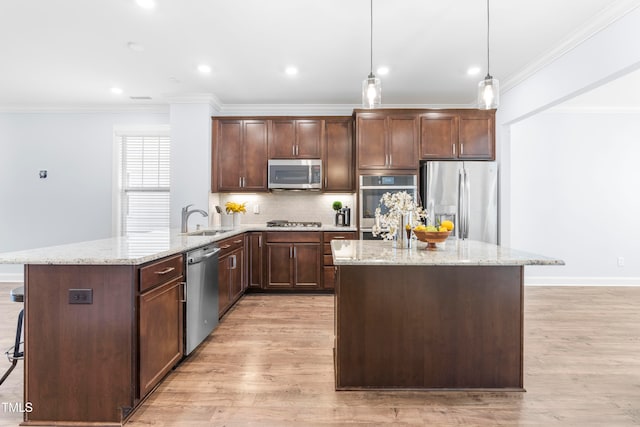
185, 216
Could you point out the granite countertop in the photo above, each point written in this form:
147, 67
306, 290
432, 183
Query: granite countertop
139, 248
452, 252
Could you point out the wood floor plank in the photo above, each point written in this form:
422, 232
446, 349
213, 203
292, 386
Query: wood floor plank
270, 363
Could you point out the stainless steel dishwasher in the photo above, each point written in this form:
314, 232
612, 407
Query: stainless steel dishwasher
201, 315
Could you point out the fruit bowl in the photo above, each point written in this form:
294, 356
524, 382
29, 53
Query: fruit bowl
431, 237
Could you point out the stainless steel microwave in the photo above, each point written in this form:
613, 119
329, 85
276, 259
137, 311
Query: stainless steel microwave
295, 174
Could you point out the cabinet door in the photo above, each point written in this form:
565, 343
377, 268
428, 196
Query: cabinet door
255, 155
224, 285
255, 260
279, 265
230, 155
477, 140
402, 142
307, 259
438, 136
372, 153
236, 273
161, 327
339, 174
283, 139
308, 139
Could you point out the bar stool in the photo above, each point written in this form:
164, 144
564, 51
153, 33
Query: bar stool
14, 354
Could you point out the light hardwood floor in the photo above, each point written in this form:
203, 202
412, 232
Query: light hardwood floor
269, 363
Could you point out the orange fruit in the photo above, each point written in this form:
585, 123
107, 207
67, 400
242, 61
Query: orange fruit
447, 224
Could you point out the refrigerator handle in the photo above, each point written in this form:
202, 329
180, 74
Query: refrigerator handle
467, 204
460, 224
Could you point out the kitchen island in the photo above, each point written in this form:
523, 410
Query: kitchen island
450, 318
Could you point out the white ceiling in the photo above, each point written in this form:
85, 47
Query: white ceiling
69, 53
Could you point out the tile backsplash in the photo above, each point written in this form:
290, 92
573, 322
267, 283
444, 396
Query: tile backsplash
287, 205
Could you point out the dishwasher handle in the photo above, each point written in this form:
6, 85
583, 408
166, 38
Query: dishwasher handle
192, 260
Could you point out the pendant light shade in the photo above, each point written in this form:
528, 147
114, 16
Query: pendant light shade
371, 92
371, 86
489, 87
488, 93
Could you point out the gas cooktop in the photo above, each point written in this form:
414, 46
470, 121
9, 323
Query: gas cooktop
285, 223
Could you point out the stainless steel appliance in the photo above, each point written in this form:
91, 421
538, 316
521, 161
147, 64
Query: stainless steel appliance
295, 174
372, 187
465, 193
201, 315
285, 223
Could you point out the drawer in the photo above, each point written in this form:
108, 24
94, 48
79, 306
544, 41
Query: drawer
328, 260
293, 237
161, 271
231, 244
334, 235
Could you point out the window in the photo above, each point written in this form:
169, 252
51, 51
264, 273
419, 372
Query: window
144, 182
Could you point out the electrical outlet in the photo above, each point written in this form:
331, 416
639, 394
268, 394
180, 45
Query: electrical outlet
80, 296
256, 209
620, 261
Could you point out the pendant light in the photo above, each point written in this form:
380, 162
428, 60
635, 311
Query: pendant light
488, 89
371, 86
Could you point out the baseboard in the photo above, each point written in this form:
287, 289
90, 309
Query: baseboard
581, 281
11, 278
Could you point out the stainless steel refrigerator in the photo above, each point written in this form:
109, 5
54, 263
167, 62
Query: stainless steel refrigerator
465, 193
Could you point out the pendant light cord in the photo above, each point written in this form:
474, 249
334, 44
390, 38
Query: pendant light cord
488, 74
371, 34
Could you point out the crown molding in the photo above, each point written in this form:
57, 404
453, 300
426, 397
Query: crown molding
608, 16
115, 108
197, 98
586, 109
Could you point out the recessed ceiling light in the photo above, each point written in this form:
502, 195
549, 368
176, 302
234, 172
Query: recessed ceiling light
137, 47
291, 70
203, 68
473, 71
383, 71
116, 91
146, 4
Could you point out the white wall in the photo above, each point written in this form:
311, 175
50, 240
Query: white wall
74, 202
604, 57
574, 179
190, 161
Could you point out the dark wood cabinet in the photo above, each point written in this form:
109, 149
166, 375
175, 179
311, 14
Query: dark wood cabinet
457, 134
387, 140
231, 272
295, 138
160, 320
293, 260
239, 155
328, 269
339, 173
255, 260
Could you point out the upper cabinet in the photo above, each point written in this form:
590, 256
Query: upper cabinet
295, 138
457, 134
387, 139
240, 155
339, 175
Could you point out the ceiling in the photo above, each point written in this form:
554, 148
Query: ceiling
70, 53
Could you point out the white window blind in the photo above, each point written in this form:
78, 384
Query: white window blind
144, 195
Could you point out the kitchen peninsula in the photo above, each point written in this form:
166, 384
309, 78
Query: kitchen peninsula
105, 318
450, 318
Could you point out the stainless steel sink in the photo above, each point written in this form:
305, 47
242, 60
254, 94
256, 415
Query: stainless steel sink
205, 233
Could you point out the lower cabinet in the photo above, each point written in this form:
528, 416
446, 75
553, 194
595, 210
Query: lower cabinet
328, 269
255, 260
160, 320
231, 272
293, 260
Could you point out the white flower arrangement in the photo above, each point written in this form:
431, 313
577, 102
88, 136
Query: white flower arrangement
398, 204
